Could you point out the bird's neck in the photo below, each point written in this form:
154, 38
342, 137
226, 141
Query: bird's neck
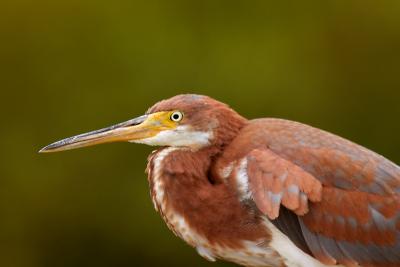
190, 202
228, 129
178, 182
180, 165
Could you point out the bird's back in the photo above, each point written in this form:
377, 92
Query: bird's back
332, 159
357, 218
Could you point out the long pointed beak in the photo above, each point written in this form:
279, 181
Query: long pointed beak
134, 129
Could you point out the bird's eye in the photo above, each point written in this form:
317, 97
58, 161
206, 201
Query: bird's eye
176, 116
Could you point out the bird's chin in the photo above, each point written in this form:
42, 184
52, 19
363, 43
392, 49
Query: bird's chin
179, 137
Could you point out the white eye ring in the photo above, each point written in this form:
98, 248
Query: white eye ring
176, 116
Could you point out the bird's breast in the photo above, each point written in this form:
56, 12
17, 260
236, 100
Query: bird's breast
209, 218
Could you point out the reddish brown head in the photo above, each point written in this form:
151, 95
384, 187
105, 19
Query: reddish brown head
192, 121
202, 116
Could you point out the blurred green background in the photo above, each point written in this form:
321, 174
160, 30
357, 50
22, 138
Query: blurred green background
70, 66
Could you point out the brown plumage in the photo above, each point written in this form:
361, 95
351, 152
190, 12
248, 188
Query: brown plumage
264, 192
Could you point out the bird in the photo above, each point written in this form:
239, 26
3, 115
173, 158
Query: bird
262, 192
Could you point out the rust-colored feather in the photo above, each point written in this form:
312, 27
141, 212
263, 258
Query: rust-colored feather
346, 196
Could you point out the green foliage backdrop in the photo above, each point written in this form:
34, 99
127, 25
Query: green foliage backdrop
70, 66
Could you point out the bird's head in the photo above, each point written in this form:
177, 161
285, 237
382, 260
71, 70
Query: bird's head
191, 121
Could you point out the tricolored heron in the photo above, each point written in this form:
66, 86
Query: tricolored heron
263, 192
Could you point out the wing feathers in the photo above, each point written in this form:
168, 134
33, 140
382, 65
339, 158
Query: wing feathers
353, 227
339, 226
274, 181
346, 197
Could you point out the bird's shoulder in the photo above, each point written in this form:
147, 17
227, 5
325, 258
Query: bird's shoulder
333, 160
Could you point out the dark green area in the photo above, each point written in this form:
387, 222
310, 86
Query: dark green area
70, 66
